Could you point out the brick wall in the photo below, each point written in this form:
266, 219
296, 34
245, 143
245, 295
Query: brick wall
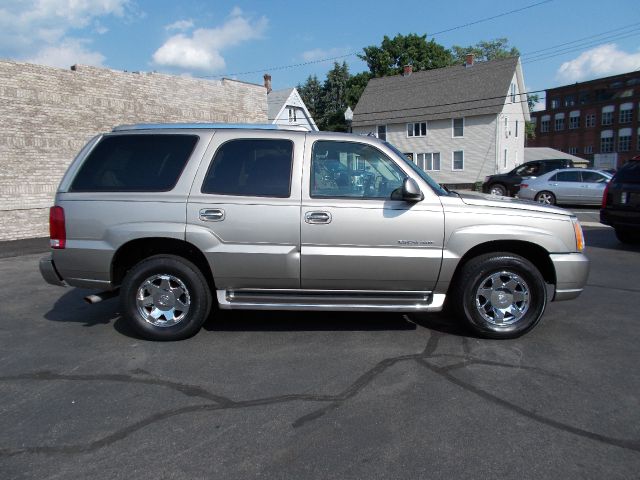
48, 114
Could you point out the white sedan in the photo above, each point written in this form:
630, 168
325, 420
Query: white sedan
572, 186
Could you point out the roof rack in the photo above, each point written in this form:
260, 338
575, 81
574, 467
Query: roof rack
192, 126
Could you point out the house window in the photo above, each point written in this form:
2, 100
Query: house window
545, 123
417, 129
626, 112
569, 100
293, 115
606, 141
381, 132
573, 150
555, 102
429, 161
513, 93
458, 127
458, 160
574, 119
559, 122
590, 120
624, 140
504, 162
506, 127
588, 149
607, 115
409, 155
516, 128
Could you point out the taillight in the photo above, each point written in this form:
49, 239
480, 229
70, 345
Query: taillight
605, 195
524, 185
57, 230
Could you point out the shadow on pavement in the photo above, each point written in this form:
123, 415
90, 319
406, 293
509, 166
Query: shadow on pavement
606, 238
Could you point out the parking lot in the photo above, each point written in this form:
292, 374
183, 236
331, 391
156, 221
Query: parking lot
318, 395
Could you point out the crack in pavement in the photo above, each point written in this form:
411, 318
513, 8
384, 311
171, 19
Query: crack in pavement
218, 402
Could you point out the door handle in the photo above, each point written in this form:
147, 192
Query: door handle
211, 214
317, 217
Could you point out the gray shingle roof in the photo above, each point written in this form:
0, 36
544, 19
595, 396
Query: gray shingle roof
275, 102
421, 95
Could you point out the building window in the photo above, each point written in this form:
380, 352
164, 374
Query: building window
458, 127
555, 103
574, 119
626, 112
569, 100
417, 129
607, 115
606, 141
638, 140
624, 140
458, 160
516, 128
585, 97
506, 156
513, 93
588, 149
506, 127
429, 161
590, 120
545, 122
559, 122
381, 132
573, 150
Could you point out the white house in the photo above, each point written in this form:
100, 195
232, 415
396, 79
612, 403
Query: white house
459, 123
285, 107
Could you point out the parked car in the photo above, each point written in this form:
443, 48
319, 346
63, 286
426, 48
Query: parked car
621, 202
177, 218
508, 184
569, 186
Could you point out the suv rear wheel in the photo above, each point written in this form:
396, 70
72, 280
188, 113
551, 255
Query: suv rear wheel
498, 189
165, 297
500, 295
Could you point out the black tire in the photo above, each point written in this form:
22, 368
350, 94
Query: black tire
498, 189
185, 296
627, 236
546, 198
482, 271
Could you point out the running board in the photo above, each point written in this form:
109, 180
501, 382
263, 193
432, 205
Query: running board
344, 300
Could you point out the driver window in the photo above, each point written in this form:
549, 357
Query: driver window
352, 170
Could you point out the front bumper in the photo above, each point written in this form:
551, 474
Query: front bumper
572, 271
49, 272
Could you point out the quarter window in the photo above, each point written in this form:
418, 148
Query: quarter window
251, 167
135, 163
417, 129
352, 170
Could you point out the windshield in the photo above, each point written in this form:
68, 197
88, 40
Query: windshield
423, 175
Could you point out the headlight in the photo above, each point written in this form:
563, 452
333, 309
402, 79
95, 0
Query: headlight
579, 235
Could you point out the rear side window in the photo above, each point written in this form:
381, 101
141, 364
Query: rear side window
251, 167
629, 172
571, 176
135, 163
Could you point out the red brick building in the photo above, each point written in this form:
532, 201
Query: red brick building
596, 120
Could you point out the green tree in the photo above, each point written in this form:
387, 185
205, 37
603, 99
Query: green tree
355, 86
412, 49
529, 127
334, 99
485, 50
311, 94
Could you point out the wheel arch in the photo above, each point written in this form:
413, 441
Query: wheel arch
134, 251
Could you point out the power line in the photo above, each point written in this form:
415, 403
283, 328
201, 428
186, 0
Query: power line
351, 54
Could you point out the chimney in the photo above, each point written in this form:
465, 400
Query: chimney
408, 70
469, 60
267, 82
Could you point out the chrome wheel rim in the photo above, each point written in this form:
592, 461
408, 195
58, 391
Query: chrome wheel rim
163, 300
502, 298
497, 191
545, 198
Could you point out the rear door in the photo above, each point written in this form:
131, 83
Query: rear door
244, 209
594, 184
567, 186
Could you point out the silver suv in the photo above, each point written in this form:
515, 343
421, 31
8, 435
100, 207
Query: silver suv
177, 218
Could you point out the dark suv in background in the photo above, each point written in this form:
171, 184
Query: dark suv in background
508, 184
621, 202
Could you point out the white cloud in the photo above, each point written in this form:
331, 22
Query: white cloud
39, 29
601, 61
202, 50
67, 53
180, 25
320, 53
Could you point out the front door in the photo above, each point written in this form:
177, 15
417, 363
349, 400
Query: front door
354, 236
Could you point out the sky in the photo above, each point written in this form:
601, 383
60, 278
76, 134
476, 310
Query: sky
561, 41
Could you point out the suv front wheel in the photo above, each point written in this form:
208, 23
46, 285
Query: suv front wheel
500, 295
165, 297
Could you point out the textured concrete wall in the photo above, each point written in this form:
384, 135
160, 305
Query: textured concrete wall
48, 114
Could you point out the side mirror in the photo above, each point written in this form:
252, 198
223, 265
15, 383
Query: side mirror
411, 191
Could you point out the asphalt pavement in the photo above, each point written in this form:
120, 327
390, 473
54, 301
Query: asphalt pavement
321, 395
